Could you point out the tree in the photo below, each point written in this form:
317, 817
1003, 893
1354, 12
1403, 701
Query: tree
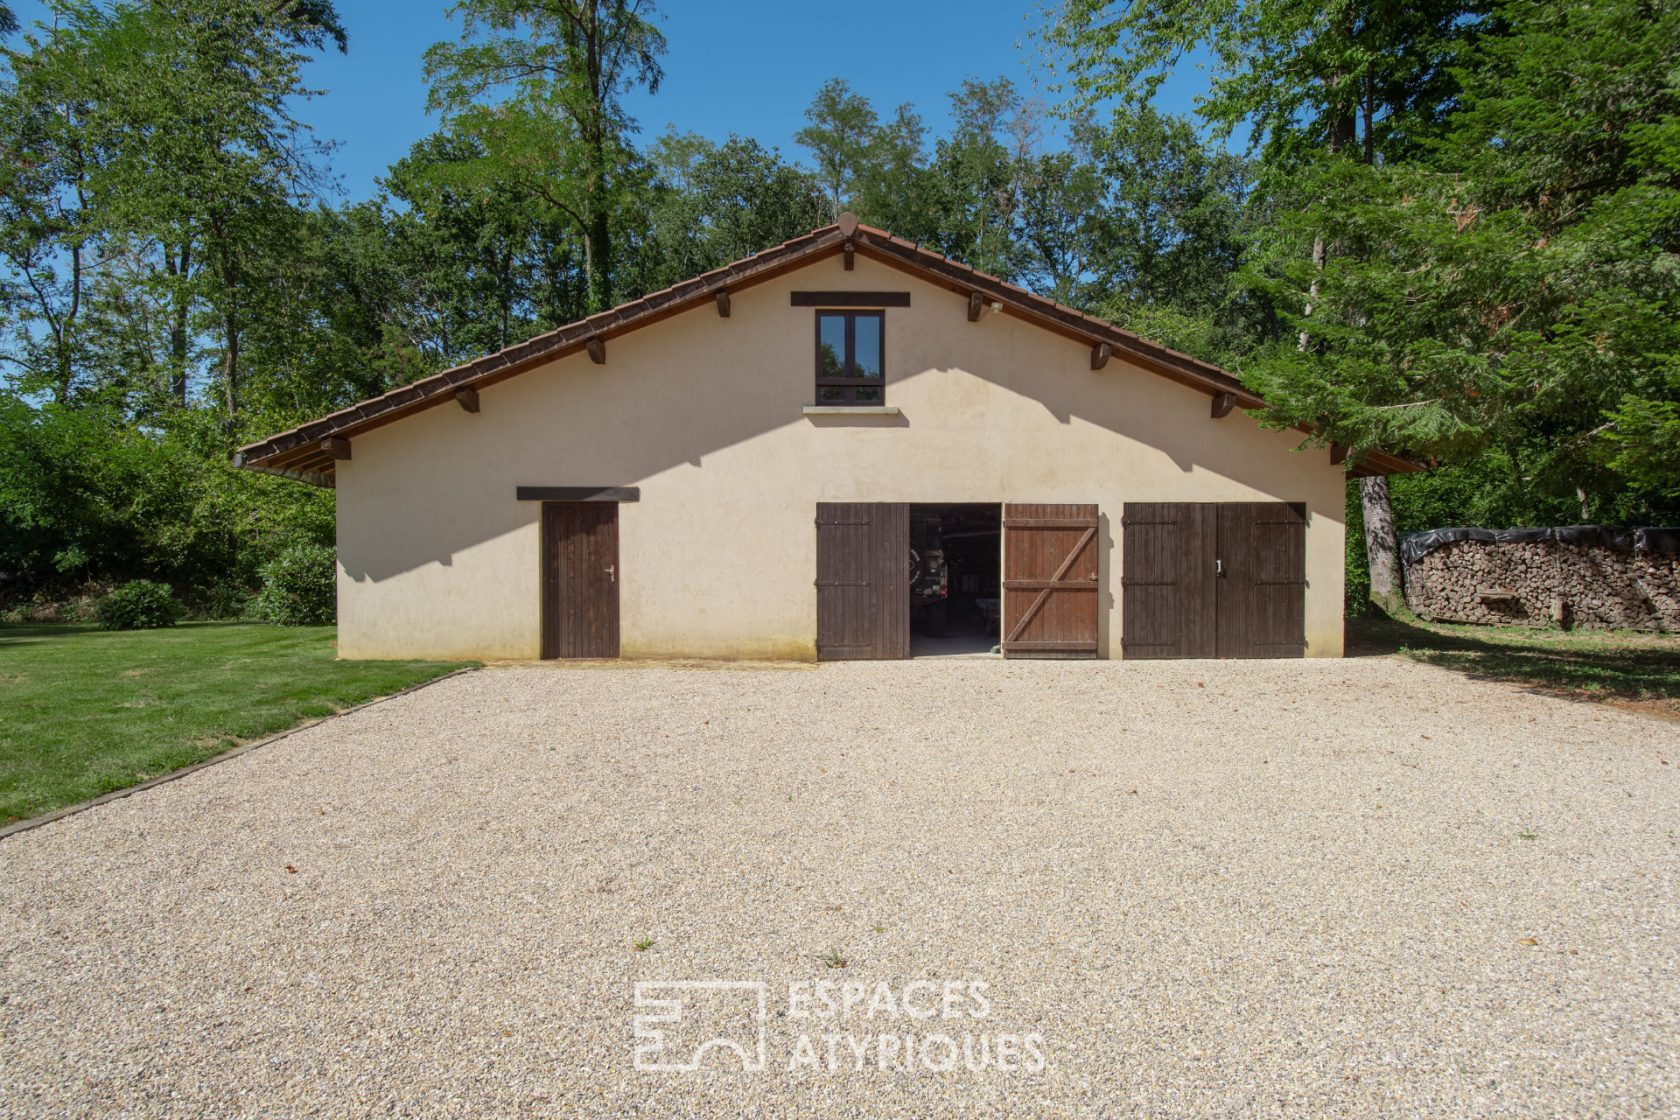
978, 171
842, 129
559, 135
156, 143
1168, 229
1349, 80
711, 204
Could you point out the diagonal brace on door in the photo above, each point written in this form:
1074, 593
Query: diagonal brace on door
1038, 602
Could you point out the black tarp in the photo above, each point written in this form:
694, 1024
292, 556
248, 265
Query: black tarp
1415, 546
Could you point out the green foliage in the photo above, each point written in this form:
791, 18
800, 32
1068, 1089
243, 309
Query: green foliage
716, 203
299, 587
559, 138
139, 604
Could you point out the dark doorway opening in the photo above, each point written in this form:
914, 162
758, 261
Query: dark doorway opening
956, 579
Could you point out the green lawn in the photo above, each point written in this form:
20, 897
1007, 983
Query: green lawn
1632, 669
85, 711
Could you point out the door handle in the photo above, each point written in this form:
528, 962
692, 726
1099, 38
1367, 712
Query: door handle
1219, 567
612, 573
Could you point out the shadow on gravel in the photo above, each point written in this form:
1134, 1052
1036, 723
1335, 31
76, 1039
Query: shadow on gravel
1633, 670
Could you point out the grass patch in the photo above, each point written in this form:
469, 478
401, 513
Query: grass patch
1629, 668
85, 711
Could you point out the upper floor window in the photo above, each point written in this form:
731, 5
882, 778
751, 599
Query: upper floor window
850, 345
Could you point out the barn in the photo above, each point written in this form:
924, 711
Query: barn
843, 447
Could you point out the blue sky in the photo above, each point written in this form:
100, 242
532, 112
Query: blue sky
749, 66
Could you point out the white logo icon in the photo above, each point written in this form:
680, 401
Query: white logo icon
725, 1014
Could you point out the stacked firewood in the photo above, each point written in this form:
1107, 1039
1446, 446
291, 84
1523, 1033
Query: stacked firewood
1546, 583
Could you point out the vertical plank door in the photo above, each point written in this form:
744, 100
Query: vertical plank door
580, 579
1169, 554
1050, 588
1262, 580
863, 581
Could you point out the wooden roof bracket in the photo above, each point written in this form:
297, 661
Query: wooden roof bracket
338, 447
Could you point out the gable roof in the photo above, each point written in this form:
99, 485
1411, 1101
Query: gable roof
303, 452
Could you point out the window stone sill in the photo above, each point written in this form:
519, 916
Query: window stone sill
851, 410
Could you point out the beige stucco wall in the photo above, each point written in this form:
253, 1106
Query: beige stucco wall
438, 559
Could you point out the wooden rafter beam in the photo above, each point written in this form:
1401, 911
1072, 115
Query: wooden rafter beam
337, 447
1338, 454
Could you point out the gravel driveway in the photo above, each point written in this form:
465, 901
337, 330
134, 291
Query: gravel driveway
1365, 887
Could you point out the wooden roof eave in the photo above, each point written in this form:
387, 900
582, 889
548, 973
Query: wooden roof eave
560, 343
296, 453
1047, 314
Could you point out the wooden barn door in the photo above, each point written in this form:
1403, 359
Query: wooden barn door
863, 581
1050, 587
1213, 580
1262, 579
1168, 602
579, 579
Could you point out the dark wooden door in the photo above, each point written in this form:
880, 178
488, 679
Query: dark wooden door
1050, 587
1168, 601
863, 581
1262, 580
1213, 580
580, 579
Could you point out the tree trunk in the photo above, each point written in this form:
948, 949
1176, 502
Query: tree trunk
598, 255
230, 368
1382, 550
178, 267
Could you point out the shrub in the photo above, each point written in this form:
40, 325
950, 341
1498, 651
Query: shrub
139, 604
300, 587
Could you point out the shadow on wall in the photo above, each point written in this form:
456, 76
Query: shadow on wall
655, 406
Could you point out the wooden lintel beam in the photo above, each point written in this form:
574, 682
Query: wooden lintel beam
1338, 454
847, 249
578, 493
597, 348
1223, 403
976, 303
723, 305
467, 398
337, 447
1100, 353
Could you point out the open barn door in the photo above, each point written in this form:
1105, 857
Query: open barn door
1050, 588
863, 581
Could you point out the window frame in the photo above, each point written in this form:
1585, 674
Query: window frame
849, 385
